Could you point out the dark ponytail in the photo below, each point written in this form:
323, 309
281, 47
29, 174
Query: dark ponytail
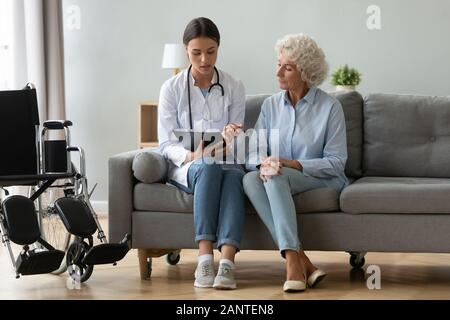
201, 27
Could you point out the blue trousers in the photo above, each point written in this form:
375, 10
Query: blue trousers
274, 203
219, 202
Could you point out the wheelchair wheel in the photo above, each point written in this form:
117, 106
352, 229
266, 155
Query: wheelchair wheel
78, 271
52, 228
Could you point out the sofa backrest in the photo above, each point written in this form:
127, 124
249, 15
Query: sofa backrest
253, 105
406, 135
352, 104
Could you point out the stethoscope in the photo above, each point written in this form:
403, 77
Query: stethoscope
217, 83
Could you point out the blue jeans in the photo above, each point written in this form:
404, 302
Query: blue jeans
274, 203
219, 202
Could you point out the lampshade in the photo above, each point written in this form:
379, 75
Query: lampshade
174, 56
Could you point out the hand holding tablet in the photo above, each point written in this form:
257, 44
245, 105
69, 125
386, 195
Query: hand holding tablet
191, 139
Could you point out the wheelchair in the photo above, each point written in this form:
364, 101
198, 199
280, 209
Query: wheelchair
54, 236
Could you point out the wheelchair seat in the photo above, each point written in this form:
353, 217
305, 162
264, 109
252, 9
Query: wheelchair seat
32, 179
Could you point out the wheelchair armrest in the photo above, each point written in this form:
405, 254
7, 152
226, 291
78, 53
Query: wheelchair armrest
57, 124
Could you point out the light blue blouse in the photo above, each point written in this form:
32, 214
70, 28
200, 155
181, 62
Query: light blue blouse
204, 91
313, 133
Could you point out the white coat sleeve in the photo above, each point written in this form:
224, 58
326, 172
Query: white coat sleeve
167, 122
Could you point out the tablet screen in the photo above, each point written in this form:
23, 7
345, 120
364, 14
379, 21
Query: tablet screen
190, 139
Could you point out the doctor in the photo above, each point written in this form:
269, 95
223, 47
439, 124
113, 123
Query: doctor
205, 98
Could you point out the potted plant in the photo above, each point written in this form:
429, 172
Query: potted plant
345, 78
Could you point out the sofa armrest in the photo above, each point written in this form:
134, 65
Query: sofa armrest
120, 195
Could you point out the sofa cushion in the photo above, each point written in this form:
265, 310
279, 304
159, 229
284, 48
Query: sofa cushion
397, 195
168, 198
352, 105
406, 136
161, 197
316, 200
149, 167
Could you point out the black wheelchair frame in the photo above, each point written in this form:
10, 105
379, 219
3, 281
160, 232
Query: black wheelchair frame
39, 164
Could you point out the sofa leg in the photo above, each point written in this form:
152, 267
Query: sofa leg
145, 260
145, 264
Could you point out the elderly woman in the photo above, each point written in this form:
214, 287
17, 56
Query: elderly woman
302, 146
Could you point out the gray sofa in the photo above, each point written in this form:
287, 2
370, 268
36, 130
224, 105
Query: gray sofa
398, 200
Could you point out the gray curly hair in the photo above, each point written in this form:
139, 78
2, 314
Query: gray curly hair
307, 56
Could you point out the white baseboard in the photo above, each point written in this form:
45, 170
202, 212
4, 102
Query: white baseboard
100, 207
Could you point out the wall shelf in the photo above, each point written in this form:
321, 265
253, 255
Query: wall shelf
148, 124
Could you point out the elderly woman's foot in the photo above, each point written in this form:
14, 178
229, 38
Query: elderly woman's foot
295, 274
315, 277
294, 286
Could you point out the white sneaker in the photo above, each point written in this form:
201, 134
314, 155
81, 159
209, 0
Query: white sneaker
204, 275
225, 277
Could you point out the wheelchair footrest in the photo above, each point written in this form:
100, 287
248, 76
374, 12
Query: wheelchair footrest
106, 253
39, 262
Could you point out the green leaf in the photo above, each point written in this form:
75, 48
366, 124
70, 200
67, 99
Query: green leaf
345, 76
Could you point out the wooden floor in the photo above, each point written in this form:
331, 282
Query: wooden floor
260, 275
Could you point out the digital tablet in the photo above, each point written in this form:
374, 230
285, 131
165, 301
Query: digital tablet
190, 139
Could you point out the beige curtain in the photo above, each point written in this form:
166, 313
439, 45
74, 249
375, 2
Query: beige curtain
38, 49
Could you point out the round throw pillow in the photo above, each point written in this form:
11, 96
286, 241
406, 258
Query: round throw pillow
149, 167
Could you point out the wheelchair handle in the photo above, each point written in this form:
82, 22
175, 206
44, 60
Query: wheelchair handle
82, 159
57, 124
29, 86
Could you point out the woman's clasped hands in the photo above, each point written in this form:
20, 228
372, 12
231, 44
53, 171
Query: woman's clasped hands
271, 166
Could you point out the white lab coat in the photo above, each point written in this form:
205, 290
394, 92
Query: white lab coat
173, 112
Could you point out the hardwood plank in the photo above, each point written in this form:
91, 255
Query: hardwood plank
260, 275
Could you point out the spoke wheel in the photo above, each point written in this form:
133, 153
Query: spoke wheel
52, 228
78, 270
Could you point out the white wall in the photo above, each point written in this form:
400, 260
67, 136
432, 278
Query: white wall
113, 60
